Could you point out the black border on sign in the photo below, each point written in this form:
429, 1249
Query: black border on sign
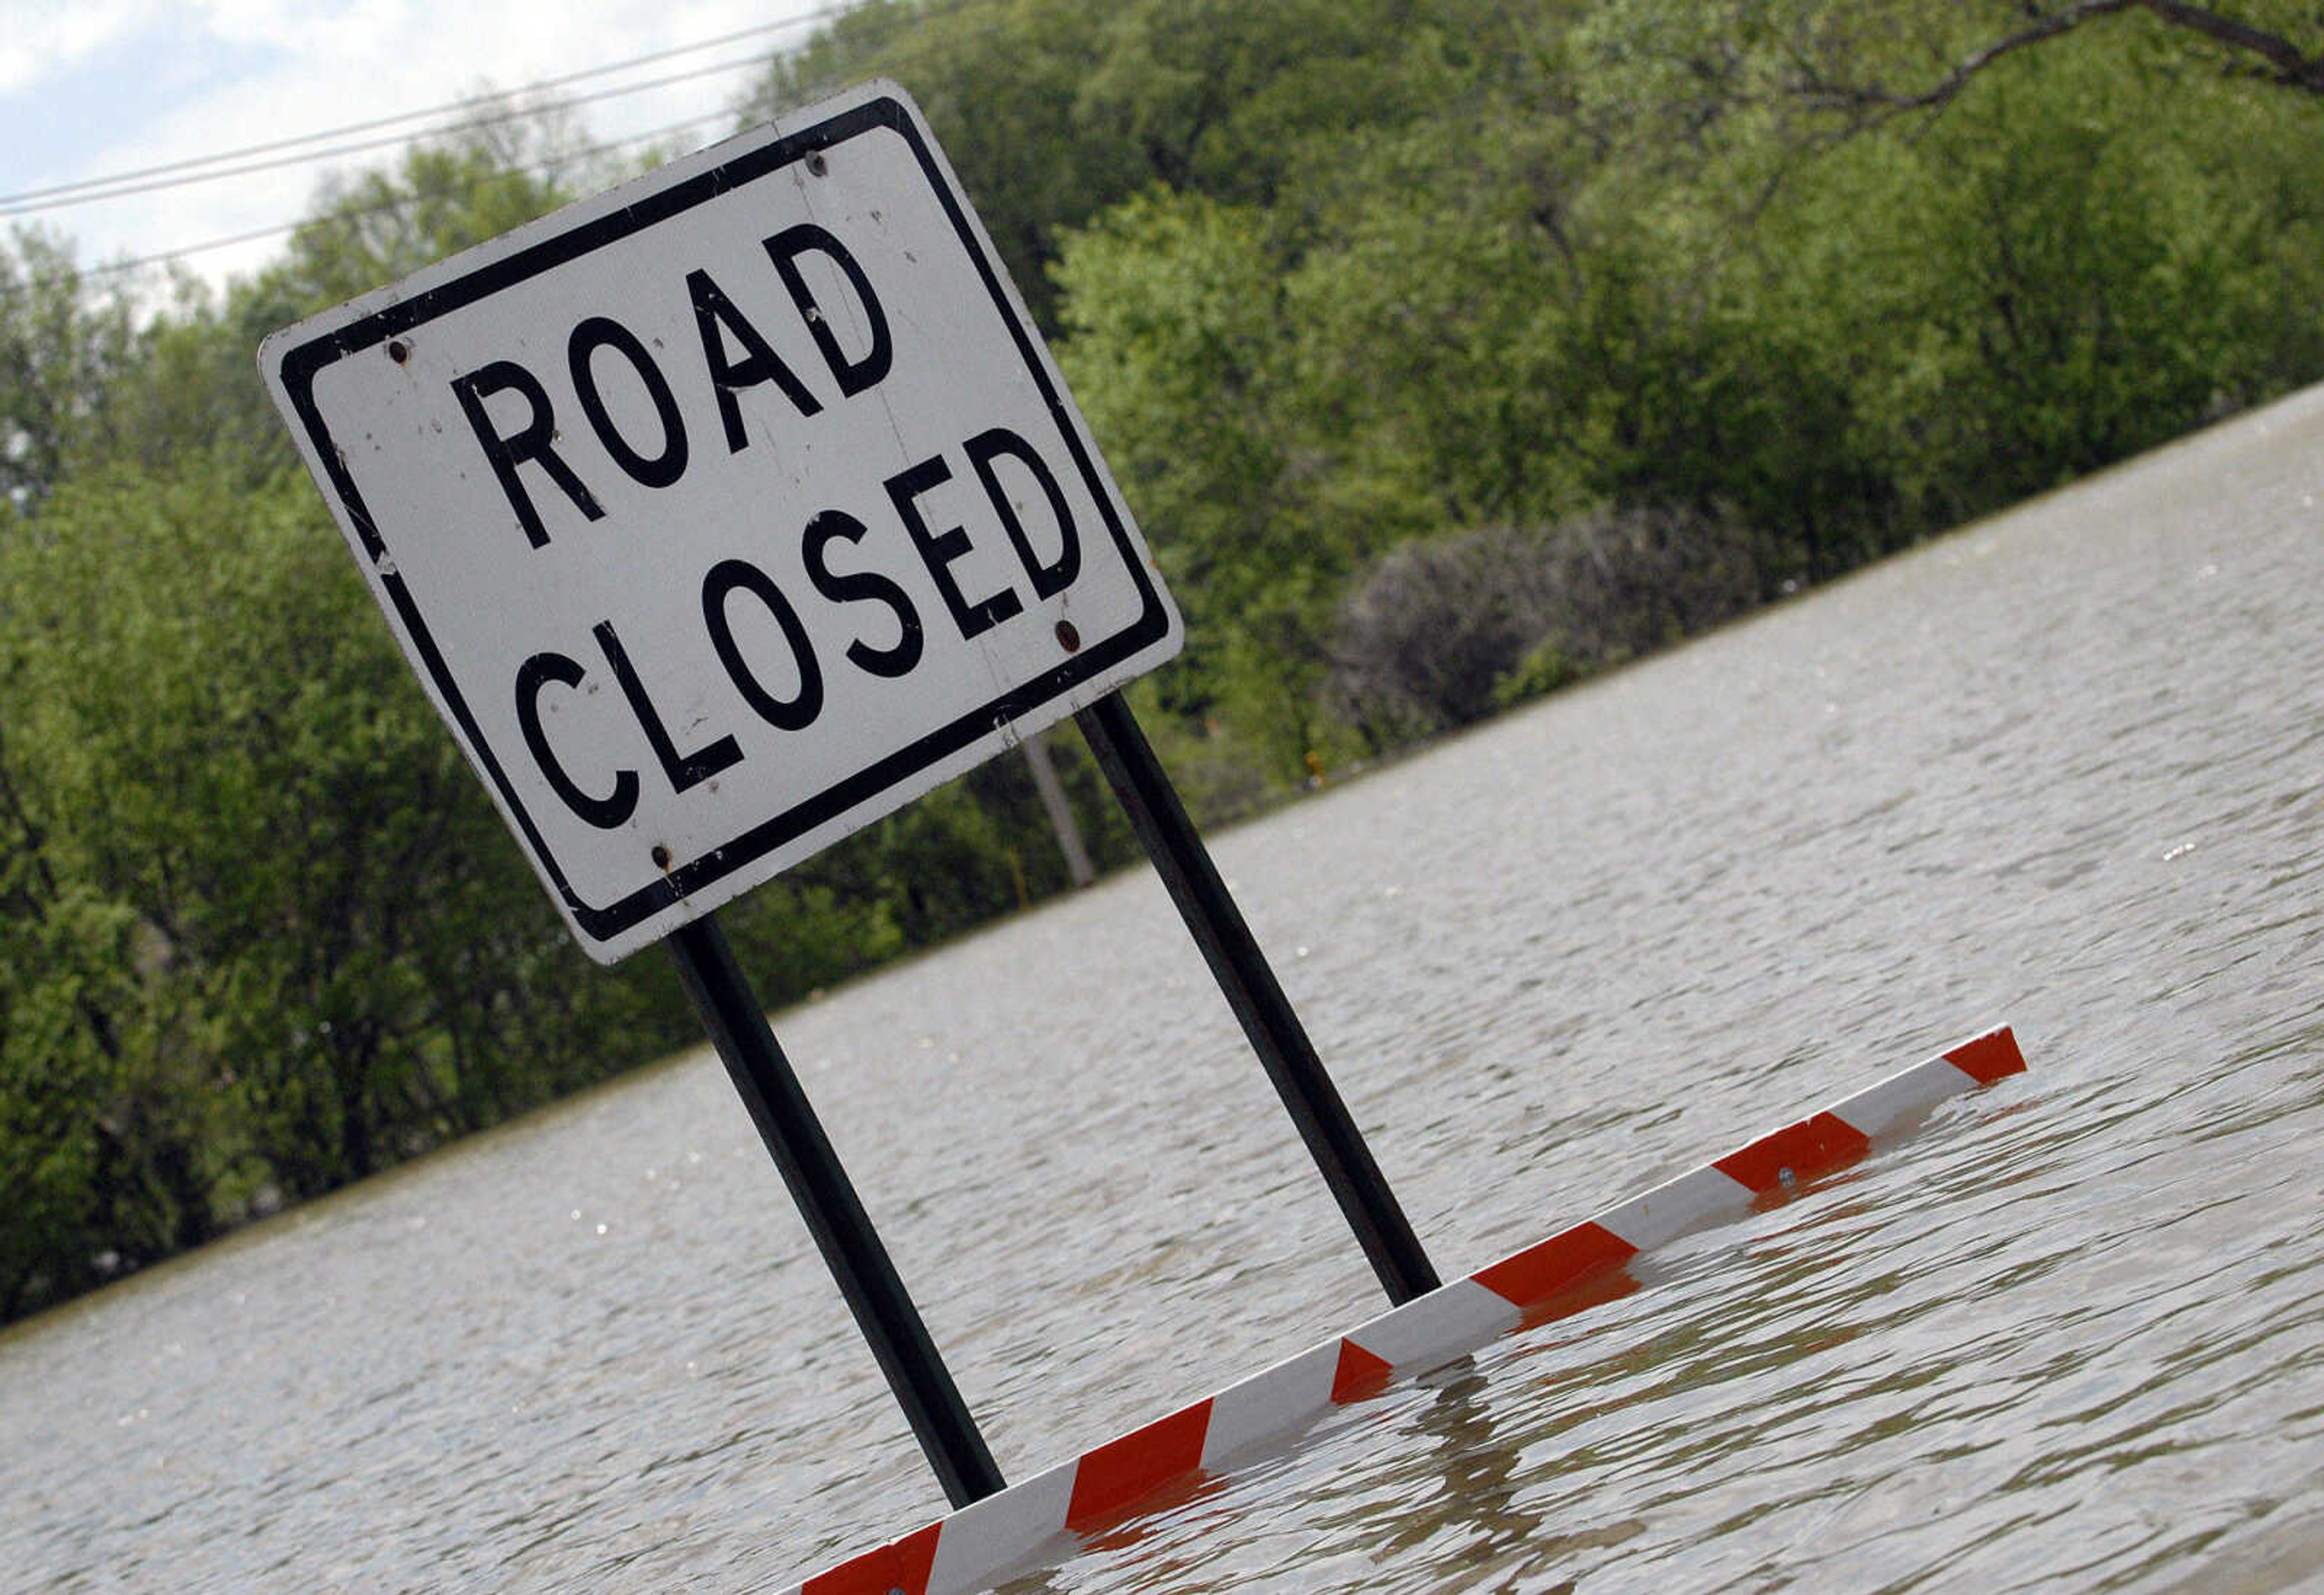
302, 364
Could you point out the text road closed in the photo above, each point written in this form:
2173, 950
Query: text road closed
726, 511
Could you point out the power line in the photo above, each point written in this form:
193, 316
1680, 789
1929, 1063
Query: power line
401, 201
25, 199
363, 146
123, 267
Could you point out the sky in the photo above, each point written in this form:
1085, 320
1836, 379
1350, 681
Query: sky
94, 88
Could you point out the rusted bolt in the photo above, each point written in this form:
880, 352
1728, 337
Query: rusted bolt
1069, 636
397, 350
816, 165
660, 856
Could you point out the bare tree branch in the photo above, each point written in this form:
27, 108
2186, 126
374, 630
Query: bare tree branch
2271, 57
2287, 63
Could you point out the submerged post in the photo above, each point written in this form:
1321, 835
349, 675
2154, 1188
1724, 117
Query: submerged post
1251, 990
884, 1311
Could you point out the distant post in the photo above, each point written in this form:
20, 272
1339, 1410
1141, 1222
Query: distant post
1052, 793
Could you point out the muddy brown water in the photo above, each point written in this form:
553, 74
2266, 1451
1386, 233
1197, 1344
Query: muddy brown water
2064, 769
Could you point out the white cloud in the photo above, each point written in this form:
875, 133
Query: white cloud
318, 66
39, 38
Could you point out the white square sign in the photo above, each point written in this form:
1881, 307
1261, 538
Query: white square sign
727, 511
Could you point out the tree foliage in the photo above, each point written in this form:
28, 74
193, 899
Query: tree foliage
66, 352
1445, 349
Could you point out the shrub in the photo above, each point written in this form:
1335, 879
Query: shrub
1442, 631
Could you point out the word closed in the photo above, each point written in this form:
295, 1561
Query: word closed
726, 511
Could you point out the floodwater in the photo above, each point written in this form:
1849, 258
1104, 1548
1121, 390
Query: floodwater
2065, 769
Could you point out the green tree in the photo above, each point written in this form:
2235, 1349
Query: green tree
1178, 354
1052, 110
333, 924
66, 352
66, 1134
194, 387
2093, 251
1001, 83
1672, 301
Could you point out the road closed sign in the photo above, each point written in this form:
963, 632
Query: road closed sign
726, 511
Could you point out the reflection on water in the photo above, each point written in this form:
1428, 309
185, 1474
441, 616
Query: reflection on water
2066, 769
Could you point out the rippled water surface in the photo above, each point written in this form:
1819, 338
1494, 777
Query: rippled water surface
2065, 769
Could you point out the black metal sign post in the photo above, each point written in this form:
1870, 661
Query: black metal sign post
883, 1310
1267, 1018
497, 608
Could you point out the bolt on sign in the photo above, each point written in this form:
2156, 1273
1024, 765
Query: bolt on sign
726, 511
